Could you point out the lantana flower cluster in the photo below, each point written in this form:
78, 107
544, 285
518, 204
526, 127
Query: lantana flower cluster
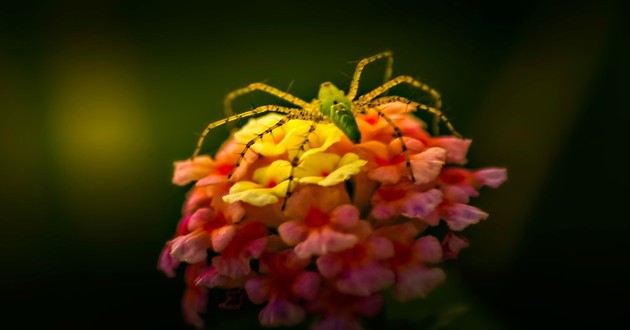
353, 223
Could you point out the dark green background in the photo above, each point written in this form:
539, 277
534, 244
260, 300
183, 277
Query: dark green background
97, 100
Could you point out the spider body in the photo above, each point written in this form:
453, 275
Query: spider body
338, 108
333, 105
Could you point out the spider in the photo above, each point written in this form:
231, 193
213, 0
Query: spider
332, 105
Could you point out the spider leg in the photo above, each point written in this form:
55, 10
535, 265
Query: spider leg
399, 135
229, 98
294, 163
259, 136
354, 84
262, 109
437, 113
437, 98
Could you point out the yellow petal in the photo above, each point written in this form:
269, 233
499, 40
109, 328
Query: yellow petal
254, 194
345, 167
277, 172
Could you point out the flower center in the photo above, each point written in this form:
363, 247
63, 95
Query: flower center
224, 168
402, 254
316, 218
354, 255
390, 195
393, 161
452, 176
215, 223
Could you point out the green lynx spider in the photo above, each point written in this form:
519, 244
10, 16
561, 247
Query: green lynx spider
332, 105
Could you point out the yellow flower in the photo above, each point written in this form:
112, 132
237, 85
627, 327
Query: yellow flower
269, 183
288, 137
326, 169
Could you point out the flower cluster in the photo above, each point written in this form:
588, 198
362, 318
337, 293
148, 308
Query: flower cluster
352, 223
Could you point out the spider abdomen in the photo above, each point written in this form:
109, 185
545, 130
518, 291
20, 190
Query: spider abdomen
338, 108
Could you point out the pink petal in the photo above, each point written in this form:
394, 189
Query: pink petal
191, 248
459, 216
231, 267
211, 278
432, 219
258, 289
199, 218
187, 171
212, 179
196, 198
280, 312
491, 177
320, 242
452, 244
293, 232
256, 247
417, 282
458, 193
385, 174
329, 265
235, 211
381, 247
167, 263
456, 148
366, 280
345, 216
428, 249
221, 237
404, 232
306, 285
383, 211
419, 205
426, 165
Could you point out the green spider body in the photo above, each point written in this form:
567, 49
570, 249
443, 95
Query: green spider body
338, 108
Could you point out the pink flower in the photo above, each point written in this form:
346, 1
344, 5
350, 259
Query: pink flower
359, 270
205, 229
414, 279
387, 163
283, 283
320, 219
470, 182
247, 242
168, 263
452, 244
455, 210
406, 199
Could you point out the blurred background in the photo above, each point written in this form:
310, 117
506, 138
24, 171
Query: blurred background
97, 100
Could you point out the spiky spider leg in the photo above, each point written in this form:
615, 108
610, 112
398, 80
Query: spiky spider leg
229, 98
259, 110
398, 134
432, 110
259, 136
437, 98
295, 162
354, 84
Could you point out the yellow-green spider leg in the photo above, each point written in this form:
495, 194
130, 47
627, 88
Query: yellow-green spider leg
259, 110
230, 97
354, 84
437, 113
437, 98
